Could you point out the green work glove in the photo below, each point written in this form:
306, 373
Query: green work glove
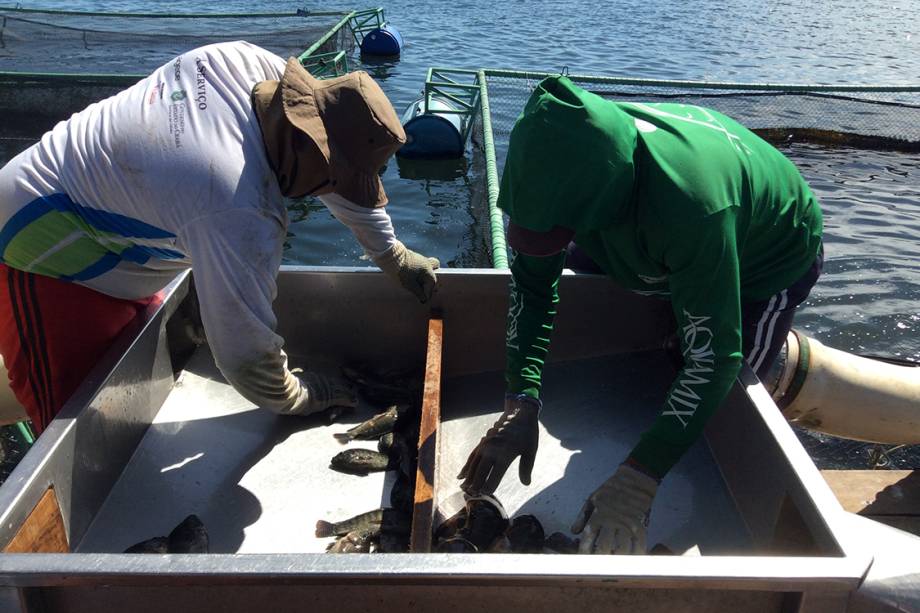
413, 271
320, 392
615, 516
516, 433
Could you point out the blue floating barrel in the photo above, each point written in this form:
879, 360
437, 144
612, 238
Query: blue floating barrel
432, 134
382, 41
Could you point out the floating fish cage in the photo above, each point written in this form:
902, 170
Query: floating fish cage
883, 118
97, 54
155, 434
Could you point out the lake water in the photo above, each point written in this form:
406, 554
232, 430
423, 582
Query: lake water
867, 299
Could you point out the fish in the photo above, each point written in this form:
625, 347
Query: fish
158, 544
402, 494
392, 542
456, 544
385, 442
358, 541
660, 550
384, 388
560, 543
400, 453
451, 526
386, 519
190, 536
375, 427
502, 544
486, 519
526, 534
362, 461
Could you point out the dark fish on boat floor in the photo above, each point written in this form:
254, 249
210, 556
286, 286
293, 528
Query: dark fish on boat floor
451, 526
375, 427
400, 452
384, 388
358, 541
190, 536
526, 534
502, 544
362, 461
386, 520
486, 519
402, 495
456, 544
560, 543
391, 542
385, 443
158, 544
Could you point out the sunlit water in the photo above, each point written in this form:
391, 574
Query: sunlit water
867, 300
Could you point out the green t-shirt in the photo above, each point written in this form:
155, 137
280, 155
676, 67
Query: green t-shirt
713, 217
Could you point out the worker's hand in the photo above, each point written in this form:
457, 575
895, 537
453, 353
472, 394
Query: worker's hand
322, 392
514, 434
615, 516
413, 271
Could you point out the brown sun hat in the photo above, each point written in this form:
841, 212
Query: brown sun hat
353, 125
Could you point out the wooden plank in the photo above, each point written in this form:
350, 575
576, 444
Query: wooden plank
876, 492
423, 512
43, 531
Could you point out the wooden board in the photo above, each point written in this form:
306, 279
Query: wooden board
423, 512
43, 531
891, 497
876, 492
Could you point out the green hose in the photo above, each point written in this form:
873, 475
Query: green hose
25, 431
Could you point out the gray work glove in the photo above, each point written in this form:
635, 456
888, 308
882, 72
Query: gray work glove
319, 392
413, 271
615, 516
516, 433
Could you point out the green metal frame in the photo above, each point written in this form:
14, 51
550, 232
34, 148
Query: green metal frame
467, 90
326, 65
447, 83
365, 21
358, 22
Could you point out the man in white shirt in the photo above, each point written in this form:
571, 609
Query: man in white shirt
188, 168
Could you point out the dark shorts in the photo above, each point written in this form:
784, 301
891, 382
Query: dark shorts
764, 324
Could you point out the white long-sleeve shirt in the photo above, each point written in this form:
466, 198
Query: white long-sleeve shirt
169, 174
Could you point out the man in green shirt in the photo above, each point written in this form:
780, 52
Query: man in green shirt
667, 199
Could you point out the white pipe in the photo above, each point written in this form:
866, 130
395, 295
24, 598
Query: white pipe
846, 395
10, 409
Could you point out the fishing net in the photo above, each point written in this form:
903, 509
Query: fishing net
866, 118
862, 117
124, 43
56, 63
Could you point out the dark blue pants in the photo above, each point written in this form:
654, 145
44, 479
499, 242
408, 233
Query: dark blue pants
764, 324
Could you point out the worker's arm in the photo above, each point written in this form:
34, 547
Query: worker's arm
532, 303
374, 231
235, 259
705, 294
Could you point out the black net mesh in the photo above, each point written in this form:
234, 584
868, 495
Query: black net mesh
864, 118
137, 44
99, 53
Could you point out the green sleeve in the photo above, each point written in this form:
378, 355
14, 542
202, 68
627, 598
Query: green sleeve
705, 295
532, 303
